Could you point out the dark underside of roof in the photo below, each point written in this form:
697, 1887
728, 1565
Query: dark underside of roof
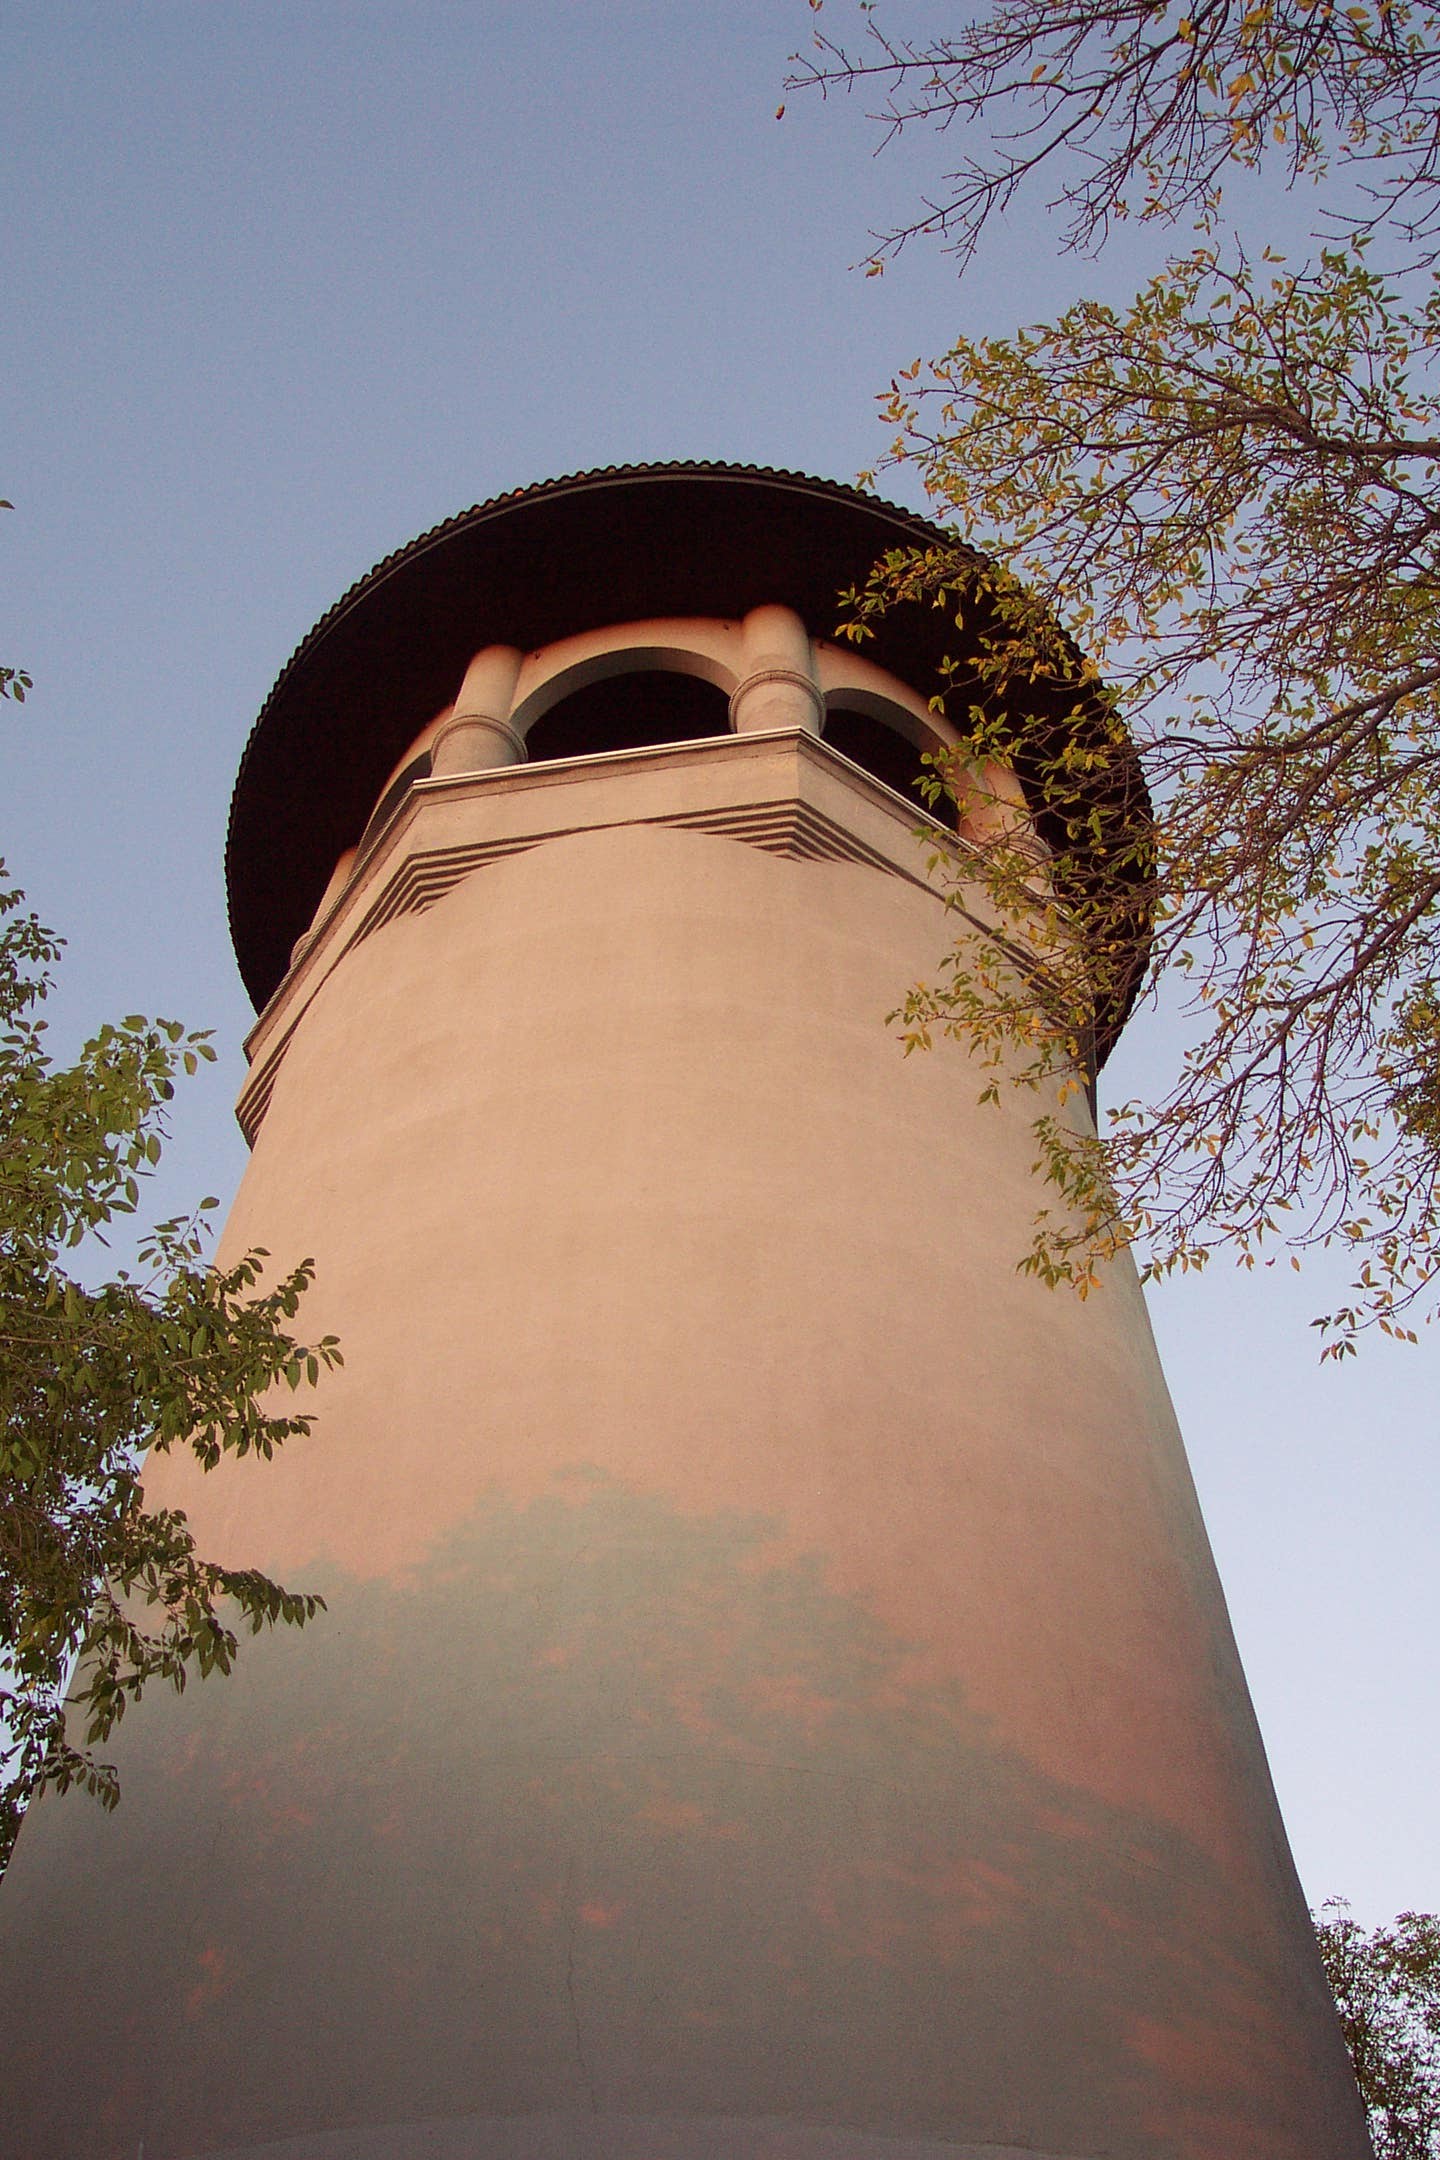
544, 563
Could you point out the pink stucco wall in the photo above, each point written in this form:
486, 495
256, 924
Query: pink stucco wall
776, 1698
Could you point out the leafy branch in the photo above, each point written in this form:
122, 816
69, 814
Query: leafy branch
1226, 493
100, 1594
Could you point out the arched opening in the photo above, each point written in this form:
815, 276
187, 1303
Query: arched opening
887, 757
629, 712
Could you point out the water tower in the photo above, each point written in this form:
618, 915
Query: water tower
776, 1701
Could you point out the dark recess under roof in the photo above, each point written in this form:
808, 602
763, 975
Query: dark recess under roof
530, 567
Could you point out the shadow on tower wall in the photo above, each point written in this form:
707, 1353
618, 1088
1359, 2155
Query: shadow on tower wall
618, 1811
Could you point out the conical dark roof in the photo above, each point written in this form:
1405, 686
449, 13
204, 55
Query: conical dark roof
538, 564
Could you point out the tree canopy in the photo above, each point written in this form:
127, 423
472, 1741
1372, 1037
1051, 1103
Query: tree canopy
1386, 1986
1226, 492
101, 1593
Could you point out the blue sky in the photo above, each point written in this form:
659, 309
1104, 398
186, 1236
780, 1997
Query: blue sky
285, 285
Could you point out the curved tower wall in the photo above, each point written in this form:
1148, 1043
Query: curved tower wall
776, 1699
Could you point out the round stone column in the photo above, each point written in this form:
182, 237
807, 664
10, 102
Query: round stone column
778, 688
478, 736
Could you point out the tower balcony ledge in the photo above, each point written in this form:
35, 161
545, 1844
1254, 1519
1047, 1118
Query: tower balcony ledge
784, 790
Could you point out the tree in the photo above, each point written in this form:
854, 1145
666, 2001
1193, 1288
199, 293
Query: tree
1387, 1991
100, 1594
1227, 492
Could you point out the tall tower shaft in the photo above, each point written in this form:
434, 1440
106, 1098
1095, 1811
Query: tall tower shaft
776, 1701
